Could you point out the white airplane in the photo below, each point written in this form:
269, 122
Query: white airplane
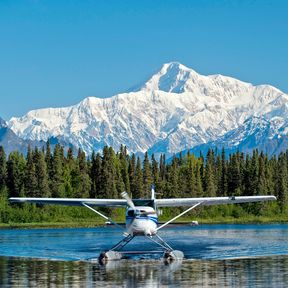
142, 216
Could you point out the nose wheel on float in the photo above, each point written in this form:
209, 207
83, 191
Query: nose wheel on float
115, 253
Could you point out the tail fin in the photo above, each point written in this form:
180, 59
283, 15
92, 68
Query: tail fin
152, 192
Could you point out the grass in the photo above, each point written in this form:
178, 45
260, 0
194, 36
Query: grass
77, 224
32, 216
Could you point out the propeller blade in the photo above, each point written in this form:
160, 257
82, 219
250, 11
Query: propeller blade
128, 199
131, 205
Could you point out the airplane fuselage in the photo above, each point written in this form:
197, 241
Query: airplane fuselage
141, 222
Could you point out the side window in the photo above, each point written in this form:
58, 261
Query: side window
130, 213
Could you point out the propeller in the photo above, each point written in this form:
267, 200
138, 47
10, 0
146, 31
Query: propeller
136, 212
129, 200
131, 205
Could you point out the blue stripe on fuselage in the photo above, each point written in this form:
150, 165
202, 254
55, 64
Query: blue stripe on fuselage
154, 219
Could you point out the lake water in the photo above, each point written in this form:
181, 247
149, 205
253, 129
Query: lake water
215, 255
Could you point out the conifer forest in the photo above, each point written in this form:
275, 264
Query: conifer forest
47, 173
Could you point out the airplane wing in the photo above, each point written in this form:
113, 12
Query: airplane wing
174, 202
72, 201
169, 202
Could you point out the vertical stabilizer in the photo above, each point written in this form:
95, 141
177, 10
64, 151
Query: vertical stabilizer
152, 192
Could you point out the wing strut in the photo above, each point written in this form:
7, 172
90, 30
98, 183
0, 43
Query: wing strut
102, 215
181, 214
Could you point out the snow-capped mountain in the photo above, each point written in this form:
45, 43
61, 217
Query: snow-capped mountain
11, 142
254, 133
176, 109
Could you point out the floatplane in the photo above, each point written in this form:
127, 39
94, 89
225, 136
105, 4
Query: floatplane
142, 216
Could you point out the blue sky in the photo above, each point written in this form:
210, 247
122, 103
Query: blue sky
55, 53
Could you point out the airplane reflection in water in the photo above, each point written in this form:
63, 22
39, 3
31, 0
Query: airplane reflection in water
247, 272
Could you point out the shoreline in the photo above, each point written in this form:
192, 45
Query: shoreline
97, 223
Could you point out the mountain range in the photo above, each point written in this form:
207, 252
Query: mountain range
176, 109
11, 142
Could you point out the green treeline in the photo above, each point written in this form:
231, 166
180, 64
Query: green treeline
46, 173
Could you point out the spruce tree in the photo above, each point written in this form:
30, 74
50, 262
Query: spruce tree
262, 180
138, 193
3, 169
147, 176
16, 166
162, 167
282, 182
132, 175
191, 176
209, 175
108, 175
120, 186
247, 176
48, 159
155, 170
30, 177
123, 159
234, 176
95, 175
198, 179
254, 172
42, 187
223, 185
81, 181
173, 177
56, 182
70, 156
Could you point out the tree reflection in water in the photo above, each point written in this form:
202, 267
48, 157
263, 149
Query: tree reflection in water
261, 272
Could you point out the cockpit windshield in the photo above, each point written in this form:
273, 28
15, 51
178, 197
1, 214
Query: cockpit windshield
144, 202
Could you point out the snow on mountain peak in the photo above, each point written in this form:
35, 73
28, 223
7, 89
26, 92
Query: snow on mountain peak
177, 108
175, 66
172, 77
